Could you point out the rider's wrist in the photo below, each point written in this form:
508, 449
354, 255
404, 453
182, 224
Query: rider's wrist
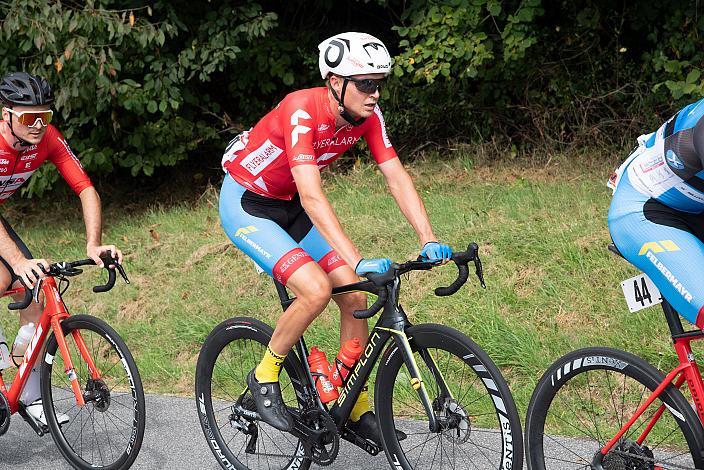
15, 260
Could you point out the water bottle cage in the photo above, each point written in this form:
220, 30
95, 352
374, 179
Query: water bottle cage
341, 365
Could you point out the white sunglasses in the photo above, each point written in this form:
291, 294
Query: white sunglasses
30, 118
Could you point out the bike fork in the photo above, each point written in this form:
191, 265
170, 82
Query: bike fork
63, 349
416, 378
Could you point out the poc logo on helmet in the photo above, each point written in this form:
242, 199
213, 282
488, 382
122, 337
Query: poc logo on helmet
349, 54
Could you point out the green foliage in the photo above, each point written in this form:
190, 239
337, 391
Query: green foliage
463, 38
141, 86
121, 77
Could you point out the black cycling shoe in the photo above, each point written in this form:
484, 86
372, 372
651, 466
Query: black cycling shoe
367, 428
270, 405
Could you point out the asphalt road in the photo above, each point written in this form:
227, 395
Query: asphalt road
174, 440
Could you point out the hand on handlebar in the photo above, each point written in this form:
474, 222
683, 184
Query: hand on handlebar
372, 265
97, 252
435, 251
31, 270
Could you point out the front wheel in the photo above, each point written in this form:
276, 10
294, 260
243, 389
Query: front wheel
479, 423
228, 415
106, 432
584, 399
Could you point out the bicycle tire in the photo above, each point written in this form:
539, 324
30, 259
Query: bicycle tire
254, 336
486, 432
112, 358
603, 372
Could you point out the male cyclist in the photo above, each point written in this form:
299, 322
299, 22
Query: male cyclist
27, 141
656, 218
273, 208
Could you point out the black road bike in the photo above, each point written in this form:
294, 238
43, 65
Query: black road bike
432, 382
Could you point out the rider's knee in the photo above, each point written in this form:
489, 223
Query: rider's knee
317, 293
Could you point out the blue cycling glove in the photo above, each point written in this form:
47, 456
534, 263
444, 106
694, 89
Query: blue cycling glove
434, 251
372, 265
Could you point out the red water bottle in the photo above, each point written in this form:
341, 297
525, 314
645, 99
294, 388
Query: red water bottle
319, 364
345, 361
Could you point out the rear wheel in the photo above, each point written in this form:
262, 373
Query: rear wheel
238, 440
107, 432
479, 424
585, 398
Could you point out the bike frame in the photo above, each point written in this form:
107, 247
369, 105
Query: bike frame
391, 324
54, 313
687, 371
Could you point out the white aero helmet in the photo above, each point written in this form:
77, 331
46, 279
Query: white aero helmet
348, 54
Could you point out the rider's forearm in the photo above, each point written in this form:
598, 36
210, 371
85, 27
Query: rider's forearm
323, 217
8, 248
90, 203
408, 200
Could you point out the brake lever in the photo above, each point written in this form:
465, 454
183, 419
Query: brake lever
479, 270
122, 272
37, 289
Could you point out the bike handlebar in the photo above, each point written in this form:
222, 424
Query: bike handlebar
70, 268
461, 260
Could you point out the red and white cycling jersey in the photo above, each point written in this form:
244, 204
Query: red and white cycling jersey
299, 131
17, 166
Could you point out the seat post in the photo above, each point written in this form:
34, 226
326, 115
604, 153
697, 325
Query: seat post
673, 318
284, 297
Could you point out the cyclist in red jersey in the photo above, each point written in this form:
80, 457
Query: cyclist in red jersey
272, 205
27, 140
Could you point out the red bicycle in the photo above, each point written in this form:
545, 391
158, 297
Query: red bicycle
93, 380
605, 409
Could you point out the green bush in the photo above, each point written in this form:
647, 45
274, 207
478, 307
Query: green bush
143, 86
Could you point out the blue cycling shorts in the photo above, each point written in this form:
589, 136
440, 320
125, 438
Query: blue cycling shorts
278, 235
665, 243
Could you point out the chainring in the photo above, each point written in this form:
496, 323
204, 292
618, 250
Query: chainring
325, 453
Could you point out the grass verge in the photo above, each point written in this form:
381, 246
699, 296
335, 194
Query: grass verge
552, 285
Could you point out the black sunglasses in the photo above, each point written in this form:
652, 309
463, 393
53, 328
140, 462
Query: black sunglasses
366, 85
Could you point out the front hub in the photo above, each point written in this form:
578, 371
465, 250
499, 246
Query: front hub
98, 393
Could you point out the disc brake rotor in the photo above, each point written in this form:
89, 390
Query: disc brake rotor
455, 422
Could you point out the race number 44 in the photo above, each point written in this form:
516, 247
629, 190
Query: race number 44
640, 293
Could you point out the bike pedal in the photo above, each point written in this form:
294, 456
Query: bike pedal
37, 427
368, 446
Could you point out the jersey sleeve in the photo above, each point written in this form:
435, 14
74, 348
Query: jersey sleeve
66, 161
297, 122
378, 139
698, 139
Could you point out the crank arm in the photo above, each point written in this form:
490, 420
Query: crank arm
356, 439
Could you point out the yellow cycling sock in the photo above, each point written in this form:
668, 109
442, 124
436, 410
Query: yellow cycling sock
268, 370
361, 406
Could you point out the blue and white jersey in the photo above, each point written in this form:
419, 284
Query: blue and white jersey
668, 164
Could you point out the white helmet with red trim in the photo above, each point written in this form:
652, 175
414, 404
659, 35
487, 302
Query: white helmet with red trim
348, 54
